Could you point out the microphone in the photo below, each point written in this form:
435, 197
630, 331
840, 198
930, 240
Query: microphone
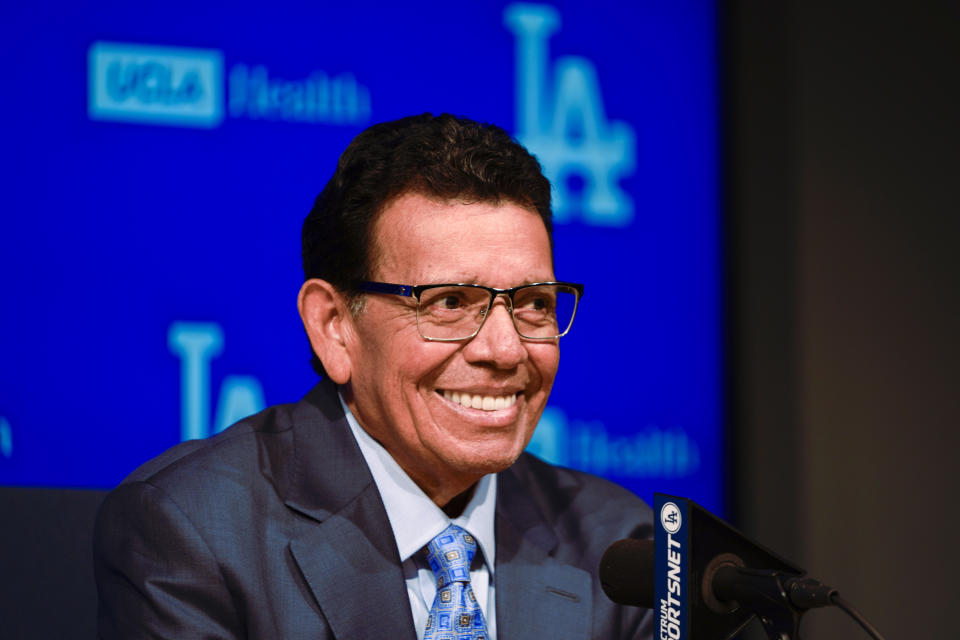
627, 570
705, 579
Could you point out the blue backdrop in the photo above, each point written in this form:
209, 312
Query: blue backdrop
160, 157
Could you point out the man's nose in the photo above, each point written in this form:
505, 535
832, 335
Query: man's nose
498, 341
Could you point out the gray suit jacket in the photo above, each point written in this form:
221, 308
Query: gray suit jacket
275, 529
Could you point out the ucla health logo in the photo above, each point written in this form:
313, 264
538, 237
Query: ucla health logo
560, 118
161, 85
588, 445
181, 86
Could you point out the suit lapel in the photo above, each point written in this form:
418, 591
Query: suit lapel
345, 548
537, 596
354, 575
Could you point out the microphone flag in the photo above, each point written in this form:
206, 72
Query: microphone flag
691, 545
672, 588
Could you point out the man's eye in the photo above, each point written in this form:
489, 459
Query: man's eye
535, 304
449, 302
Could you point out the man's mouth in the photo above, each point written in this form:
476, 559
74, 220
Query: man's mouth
479, 401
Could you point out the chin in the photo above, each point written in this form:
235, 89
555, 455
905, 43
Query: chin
482, 460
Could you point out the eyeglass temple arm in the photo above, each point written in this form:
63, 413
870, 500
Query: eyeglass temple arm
386, 287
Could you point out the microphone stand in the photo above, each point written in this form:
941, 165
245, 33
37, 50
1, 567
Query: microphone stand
763, 592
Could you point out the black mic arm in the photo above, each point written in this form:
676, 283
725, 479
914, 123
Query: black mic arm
727, 581
777, 598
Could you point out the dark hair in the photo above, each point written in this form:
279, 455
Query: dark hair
445, 157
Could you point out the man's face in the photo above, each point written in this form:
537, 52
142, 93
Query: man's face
401, 385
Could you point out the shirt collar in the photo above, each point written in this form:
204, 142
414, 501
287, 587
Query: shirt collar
414, 517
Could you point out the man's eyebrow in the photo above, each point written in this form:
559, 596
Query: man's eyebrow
453, 280
475, 280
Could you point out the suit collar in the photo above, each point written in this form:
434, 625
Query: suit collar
328, 470
537, 596
345, 549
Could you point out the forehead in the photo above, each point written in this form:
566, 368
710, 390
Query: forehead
419, 240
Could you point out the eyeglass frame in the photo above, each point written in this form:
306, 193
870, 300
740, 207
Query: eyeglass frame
416, 290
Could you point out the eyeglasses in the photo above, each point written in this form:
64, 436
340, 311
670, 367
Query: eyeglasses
452, 312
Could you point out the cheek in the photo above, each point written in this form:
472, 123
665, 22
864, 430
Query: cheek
379, 376
417, 366
546, 359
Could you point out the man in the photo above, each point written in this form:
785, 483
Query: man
434, 314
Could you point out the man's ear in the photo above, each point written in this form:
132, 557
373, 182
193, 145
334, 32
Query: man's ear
327, 319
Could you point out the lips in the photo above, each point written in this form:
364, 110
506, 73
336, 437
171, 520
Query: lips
480, 401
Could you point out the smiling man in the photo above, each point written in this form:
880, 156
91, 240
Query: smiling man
395, 500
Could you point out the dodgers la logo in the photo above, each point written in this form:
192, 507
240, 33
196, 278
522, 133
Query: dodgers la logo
196, 344
563, 123
6, 439
670, 517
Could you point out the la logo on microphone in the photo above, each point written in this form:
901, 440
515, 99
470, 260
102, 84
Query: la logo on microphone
670, 517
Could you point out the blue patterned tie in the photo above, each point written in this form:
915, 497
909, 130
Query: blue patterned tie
455, 614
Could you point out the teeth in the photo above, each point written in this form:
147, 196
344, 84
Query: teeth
477, 401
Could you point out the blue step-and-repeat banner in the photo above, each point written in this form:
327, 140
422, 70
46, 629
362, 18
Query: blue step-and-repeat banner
159, 158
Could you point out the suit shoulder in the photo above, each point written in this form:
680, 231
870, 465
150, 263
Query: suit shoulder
568, 494
240, 445
533, 469
227, 478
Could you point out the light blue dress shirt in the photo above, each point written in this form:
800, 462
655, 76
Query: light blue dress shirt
415, 520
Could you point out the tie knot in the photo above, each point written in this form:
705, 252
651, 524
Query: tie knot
450, 554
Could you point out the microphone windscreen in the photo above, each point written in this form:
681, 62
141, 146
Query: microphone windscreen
626, 572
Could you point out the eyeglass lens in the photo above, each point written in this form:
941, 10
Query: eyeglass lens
451, 313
